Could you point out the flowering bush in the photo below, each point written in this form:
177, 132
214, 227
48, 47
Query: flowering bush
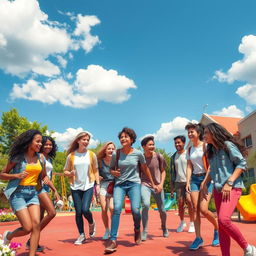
8, 250
7, 215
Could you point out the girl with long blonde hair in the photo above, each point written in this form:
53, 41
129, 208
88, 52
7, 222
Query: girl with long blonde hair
82, 170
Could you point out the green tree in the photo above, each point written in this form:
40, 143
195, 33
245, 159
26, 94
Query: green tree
167, 157
12, 125
58, 167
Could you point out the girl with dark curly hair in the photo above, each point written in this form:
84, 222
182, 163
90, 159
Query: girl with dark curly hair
226, 165
48, 149
25, 171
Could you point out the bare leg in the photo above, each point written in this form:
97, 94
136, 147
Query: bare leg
181, 208
26, 224
196, 207
104, 212
111, 205
204, 203
190, 207
34, 211
46, 204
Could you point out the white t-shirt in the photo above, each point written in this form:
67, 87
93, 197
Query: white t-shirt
196, 158
180, 162
81, 164
48, 167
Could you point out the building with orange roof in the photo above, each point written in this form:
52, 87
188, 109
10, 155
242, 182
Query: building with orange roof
230, 123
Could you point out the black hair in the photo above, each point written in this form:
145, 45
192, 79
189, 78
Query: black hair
181, 137
219, 136
130, 132
146, 140
22, 142
52, 154
198, 127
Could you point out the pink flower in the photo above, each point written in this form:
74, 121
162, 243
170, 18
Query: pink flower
15, 246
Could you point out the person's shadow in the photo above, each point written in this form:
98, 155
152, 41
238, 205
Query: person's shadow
184, 251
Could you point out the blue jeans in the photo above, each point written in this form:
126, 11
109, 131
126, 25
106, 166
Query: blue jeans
133, 190
145, 197
82, 201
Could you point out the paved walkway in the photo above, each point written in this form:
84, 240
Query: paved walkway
59, 236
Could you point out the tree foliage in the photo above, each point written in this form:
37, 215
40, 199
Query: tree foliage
12, 125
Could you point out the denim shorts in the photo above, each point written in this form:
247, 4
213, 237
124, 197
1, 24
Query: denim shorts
22, 197
196, 182
103, 188
45, 189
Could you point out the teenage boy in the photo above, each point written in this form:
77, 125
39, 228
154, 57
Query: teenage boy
156, 165
178, 166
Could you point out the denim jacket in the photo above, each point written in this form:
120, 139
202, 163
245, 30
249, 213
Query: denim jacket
223, 164
18, 168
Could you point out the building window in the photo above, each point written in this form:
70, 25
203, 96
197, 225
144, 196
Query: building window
248, 141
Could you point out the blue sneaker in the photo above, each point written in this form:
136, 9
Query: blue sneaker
198, 242
215, 241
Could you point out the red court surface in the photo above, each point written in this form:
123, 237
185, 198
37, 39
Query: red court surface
60, 234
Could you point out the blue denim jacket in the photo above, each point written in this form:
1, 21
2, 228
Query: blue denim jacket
18, 168
223, 164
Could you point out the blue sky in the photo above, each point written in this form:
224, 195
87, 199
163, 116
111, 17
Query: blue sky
150, 65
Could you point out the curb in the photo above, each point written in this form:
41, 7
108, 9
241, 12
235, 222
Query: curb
9, 223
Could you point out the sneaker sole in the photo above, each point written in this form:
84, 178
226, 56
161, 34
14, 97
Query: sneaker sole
108, 251
194, 249
79, 243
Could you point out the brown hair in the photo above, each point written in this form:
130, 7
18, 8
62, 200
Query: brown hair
74, 144
198, 127
102, 152
220, 135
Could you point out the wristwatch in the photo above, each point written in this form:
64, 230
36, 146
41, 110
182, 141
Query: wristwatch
230, 183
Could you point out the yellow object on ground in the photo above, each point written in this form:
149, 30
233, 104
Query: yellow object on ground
247, 204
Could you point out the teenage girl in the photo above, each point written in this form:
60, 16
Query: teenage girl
82, 169
106, 200
25, 171
48, 149
226, 165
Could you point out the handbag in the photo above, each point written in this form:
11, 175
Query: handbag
110, 187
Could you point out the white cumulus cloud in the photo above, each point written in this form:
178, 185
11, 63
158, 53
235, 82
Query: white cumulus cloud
83, 29
231, 111
171, 129
243, 70
91, 85
248, 93
64, 139
29, 40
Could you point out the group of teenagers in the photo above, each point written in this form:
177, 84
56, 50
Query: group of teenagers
211, 164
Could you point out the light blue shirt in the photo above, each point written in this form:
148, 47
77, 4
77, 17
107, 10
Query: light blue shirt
128, 164
223, 164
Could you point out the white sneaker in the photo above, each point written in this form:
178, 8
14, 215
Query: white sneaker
81, 239
6, 241
106, 235
181, 226
191, 227
252, 252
